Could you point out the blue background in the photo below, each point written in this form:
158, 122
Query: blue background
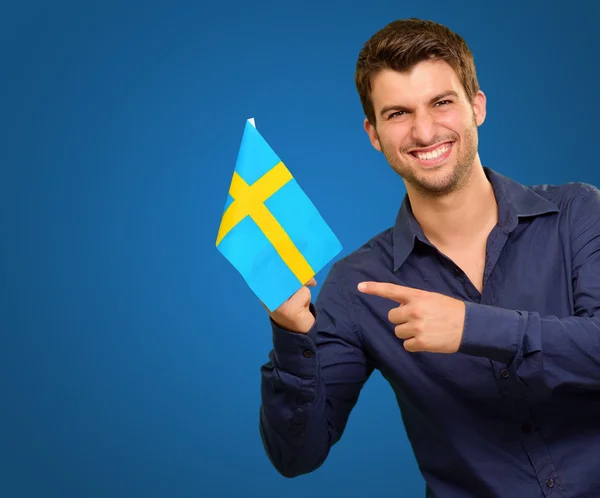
130, 347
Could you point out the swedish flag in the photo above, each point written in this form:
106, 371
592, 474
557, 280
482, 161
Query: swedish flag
270, 231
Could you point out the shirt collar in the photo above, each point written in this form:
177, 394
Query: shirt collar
514, 201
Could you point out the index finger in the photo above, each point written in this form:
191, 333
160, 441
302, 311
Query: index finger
394, 292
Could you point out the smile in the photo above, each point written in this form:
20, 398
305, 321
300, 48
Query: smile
434, 156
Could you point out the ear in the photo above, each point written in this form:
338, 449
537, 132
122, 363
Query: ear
479, 107
372, 132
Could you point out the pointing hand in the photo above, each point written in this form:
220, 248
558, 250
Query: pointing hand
427, 321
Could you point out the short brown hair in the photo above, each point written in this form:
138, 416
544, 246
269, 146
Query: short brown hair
403, 44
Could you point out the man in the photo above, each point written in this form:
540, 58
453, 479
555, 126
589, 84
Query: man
480, 306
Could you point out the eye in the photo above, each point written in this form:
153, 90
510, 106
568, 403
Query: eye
396, 114
443, 102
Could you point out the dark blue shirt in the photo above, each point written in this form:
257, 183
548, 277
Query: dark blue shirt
516, 412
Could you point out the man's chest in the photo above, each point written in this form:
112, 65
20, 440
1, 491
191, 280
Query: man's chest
509, 272
515, 271
470, 261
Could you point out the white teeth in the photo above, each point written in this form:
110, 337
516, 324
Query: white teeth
434, 153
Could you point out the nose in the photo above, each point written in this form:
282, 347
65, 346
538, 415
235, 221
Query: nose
423, 129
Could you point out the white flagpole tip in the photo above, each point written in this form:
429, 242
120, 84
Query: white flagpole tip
251, 121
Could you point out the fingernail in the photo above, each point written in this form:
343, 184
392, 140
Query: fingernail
362, 286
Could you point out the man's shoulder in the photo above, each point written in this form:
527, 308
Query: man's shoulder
375, 251
566, 196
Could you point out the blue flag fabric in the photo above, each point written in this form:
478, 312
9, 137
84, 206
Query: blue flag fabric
270, 230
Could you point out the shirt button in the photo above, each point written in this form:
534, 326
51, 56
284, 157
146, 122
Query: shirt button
307, 353
550, 483
504, 373
526, 428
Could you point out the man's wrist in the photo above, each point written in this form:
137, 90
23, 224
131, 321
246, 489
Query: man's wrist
491, 332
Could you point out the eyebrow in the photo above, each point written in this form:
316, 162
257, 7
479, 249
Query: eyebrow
440, 96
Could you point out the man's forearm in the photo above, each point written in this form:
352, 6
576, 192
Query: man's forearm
545, 351
293, 421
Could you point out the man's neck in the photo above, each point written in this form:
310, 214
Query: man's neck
461, 217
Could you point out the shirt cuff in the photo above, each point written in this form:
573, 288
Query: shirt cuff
491, 332
295, 352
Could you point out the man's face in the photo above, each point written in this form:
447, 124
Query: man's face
426, 128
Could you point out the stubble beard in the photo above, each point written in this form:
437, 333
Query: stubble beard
432, 184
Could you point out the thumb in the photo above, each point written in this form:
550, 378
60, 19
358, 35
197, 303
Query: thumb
311, 283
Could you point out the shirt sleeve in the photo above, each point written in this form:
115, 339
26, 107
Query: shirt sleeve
311, 383
548, 351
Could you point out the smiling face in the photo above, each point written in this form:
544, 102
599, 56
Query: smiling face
426, 128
